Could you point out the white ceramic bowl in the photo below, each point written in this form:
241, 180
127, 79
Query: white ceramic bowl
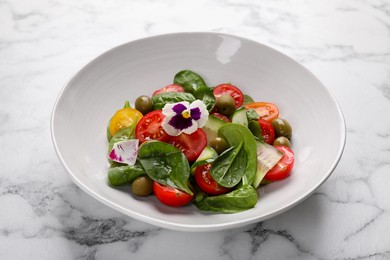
90, 98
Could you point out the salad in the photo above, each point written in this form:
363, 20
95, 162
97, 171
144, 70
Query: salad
189, 142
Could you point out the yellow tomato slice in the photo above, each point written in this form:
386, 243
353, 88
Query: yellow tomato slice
124, 117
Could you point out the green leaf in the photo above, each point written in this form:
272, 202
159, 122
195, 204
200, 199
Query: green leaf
189, 80
241, 199
252, 115
127, 104
234, 134
124, 134
228, 169
119, 174
160, 100
165, 164
247, 99
255, 128
206, 95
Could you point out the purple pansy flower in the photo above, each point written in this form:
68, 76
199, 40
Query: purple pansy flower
184, 117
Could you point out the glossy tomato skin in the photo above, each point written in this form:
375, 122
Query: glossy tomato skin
206, 183
267, 111
169, 88
191, 145
149, 127
171, 196
284, 167
124, 117
267, 130
232, 90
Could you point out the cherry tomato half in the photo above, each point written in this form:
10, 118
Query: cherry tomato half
233, 91
169, 88
124, 117
265, 110
283, 168
206, 182
149, 127
171, 196
267, 131
191, 145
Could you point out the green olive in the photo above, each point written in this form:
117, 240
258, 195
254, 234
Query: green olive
144, 104
142, 186
219, 144
281, 140
226, 105
282, 127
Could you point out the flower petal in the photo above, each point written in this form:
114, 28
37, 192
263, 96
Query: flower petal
180, 107
179, 122
124, 151
202, 114
191, 129
195, 113
168, 110
172, 131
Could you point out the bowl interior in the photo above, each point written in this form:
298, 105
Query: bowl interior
91, 97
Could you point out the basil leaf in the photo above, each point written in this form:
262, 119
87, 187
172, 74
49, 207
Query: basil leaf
165, 164
228, 169
206, 95
241, 199
189, 80
160, 100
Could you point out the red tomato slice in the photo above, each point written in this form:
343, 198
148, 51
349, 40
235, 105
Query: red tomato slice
265, 110
221, 116
149, 127
171, 196
233, 91
169, 88
206, 182
267, 130
283, 168
191, 145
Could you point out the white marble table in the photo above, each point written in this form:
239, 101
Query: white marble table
45, 216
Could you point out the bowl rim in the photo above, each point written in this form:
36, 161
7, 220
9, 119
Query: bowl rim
195, 227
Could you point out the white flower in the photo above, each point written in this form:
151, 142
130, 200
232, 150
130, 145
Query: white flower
124, 152
184, 117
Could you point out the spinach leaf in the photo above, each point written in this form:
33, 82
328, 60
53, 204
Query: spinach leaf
119, 174
165, 164
241, 199
189, 80
228, 169
252, 115
160, 100
255, 128
234, 134
247, 99
206, 95
122, 135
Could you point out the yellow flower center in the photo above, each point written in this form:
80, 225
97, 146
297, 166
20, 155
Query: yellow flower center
186, 114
